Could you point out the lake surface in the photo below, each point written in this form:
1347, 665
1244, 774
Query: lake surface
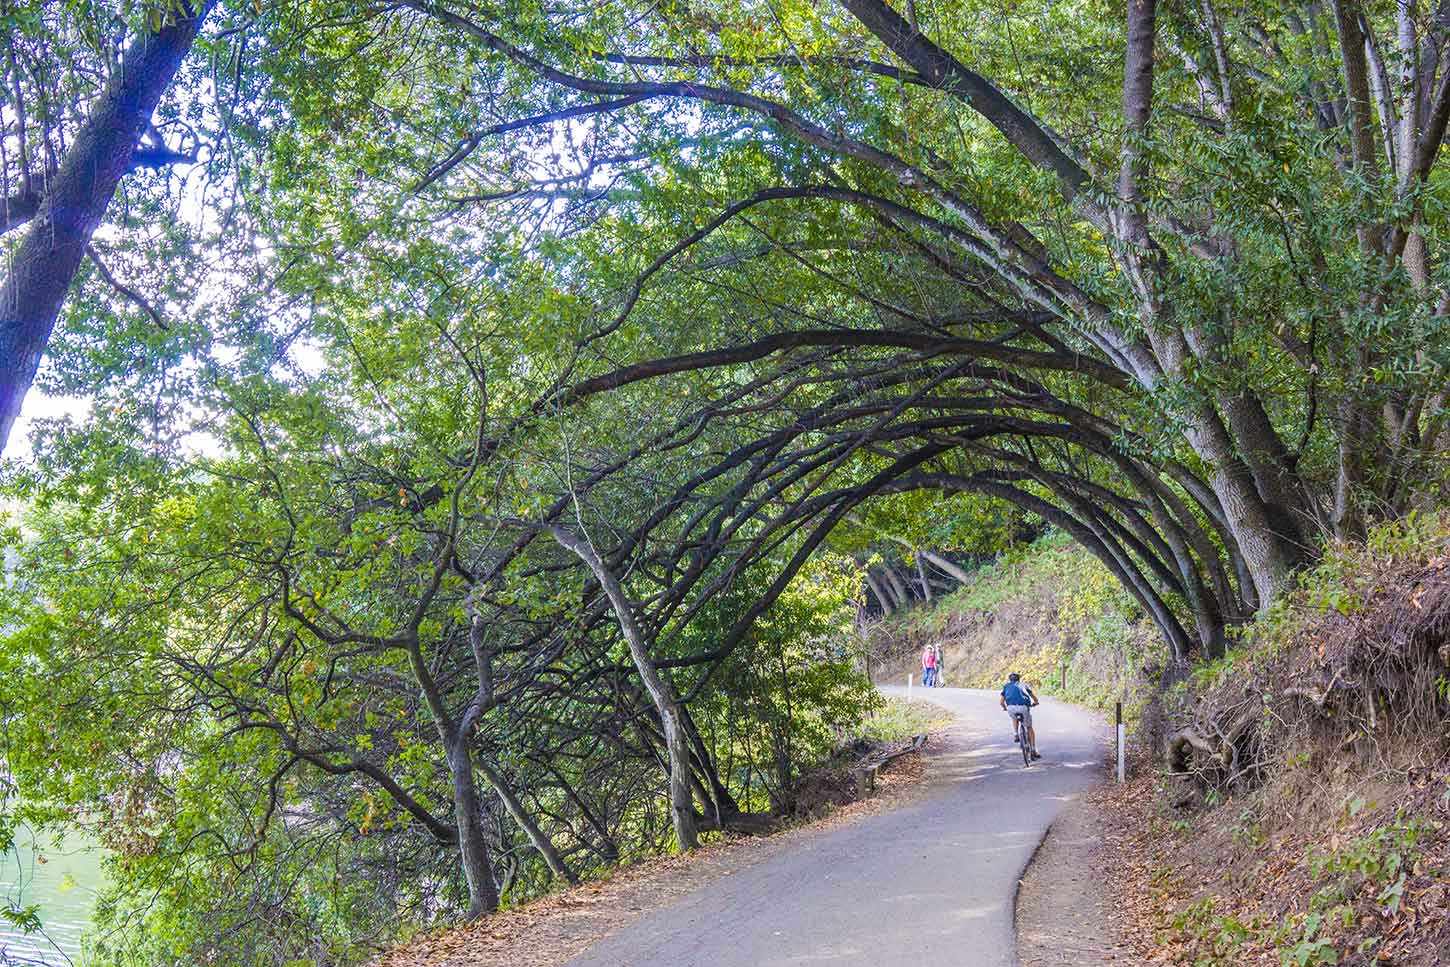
64, 878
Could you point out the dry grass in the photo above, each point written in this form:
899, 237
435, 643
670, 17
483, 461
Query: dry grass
898, 720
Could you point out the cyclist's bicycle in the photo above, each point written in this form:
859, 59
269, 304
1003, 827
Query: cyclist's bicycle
1019, 735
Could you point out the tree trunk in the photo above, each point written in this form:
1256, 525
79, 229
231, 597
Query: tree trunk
1349, 483
943, 564
1246, 597
886, 605
1268, 556
893, 580
526, 822
725, 803
467, 808
682, 806
472, 847
921, 575
42, 268
1290, 509
478, 870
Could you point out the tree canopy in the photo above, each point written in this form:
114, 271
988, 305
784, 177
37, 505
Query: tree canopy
497, 405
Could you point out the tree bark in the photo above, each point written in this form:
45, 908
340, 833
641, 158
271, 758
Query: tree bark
1137, 107
943, 71
521, 816
483, 892
725, 804
893, 581
682, 806
887, 607
1286, 498
1349, 483
1269, 558
43, 266
472, 846
921, 575
945, 565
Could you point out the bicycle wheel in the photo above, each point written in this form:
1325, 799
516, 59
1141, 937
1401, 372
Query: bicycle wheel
1021, 740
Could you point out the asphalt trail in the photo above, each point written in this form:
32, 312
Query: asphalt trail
928, 885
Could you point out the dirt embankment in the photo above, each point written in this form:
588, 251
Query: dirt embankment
1069, 909
1303, 816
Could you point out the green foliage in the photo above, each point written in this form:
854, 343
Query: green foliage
1354, 866
302, 532
1349, 573
1376, 857
1311, 950
1219, 937
788, 696
897, 720
1018, 568
164, 694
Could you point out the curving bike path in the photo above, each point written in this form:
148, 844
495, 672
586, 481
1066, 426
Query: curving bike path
928, 885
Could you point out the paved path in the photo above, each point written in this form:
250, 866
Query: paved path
929, 885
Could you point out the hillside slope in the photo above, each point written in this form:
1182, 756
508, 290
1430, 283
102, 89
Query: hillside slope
1038, 610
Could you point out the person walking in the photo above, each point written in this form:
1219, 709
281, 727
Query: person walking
937, 665
928, 666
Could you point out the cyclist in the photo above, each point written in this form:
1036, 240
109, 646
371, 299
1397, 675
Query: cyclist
1017, 699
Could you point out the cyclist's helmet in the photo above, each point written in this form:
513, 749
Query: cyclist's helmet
1014, 677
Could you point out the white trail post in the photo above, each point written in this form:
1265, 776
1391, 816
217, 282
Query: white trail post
1122, 758
908, 687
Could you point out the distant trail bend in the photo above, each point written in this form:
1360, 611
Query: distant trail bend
928, 885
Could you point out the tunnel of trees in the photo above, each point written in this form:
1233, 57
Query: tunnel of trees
490, 397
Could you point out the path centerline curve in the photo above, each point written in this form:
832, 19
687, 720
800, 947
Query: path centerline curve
931, 884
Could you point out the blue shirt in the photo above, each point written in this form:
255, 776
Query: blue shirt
1015, 694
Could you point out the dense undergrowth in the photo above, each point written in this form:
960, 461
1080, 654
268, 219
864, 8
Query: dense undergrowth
1295, 802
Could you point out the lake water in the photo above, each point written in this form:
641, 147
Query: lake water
63, 878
